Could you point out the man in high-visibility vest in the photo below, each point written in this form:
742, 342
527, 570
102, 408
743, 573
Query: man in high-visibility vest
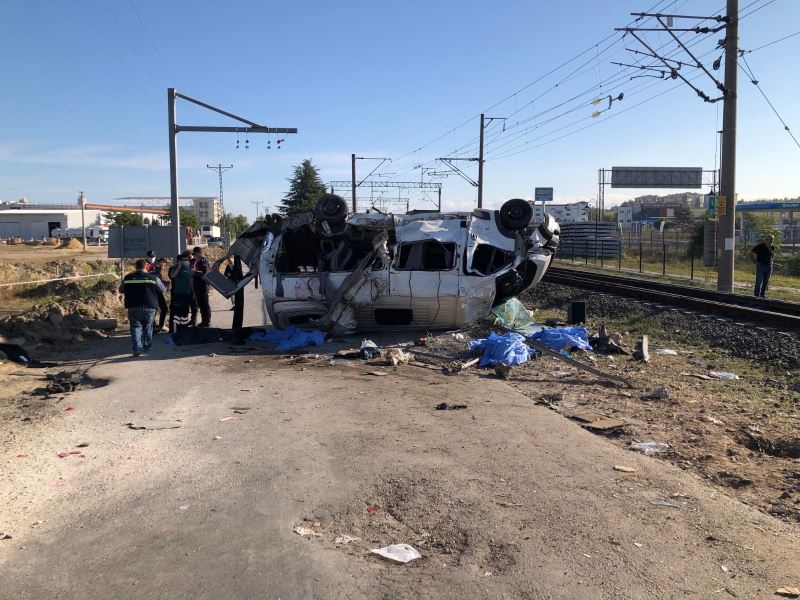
141, 290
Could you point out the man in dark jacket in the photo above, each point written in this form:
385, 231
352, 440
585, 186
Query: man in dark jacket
762, 255
200, 267
141, 290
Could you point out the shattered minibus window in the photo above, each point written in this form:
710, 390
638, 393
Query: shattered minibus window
426, 255
489, 259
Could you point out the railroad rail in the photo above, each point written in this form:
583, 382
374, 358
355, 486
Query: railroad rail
736, 306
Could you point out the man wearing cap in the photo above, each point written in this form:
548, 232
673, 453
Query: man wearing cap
141, 290
151, 261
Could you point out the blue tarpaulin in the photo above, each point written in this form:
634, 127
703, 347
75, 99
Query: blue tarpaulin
564, 338
291, 338
509, 349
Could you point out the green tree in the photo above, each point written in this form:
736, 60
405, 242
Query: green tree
188, 218
759, 225
305, 188
683, 216
123, 219
233, 224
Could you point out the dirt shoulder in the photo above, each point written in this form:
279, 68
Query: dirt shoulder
503, 498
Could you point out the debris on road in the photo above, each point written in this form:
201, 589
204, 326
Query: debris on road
399, 553
560, 374
395, 356
625, 469
306, 531
228, 418
659, 393
379, 373
698, 375
665, 503
345, 539
666, 352
712, 420
788, 592
723, 375
155, 424
642, 351
4, 536
446, 406
598, 422
502, 370
369, 349
649, 447
372, 509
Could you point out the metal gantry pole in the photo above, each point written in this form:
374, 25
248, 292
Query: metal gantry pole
173, 172
353, 175
480, 167
726, 241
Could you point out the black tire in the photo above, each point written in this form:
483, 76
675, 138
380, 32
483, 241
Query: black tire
331, 208
515, 214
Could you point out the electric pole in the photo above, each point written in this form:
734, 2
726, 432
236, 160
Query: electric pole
353, 181
480, 167
220, 169
726, 235
257, 203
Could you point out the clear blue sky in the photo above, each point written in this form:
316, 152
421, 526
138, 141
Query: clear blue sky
84, 100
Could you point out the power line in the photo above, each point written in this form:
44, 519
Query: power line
786, 37
749, 72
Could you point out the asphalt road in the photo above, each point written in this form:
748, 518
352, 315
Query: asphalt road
503, 499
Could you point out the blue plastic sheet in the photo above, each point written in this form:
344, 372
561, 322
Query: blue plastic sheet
509, 349
564, 338
291, 338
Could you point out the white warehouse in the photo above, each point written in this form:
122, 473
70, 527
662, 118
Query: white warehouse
37, 221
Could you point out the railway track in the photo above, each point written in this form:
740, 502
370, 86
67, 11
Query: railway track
736, 306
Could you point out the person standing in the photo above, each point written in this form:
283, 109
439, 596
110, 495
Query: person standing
180, 274
141, 290
158, 271
151, 261
199, 268
762, 256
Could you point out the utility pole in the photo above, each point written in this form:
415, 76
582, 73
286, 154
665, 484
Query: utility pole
353, 180
726, 236
82, 200
220, 169
480, 167
173, 171
257, 203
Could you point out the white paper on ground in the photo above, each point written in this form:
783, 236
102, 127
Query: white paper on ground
400, 553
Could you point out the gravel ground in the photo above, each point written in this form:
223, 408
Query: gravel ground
771, 347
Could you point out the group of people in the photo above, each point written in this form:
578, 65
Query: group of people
145, 292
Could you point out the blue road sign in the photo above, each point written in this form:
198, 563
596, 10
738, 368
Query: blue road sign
543, 194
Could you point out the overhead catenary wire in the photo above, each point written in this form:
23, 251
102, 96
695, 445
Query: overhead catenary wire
749, 72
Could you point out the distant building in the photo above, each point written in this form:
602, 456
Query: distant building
208, 210
35, 221
574, 212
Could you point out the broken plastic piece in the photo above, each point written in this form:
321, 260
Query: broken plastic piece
666, 352
369, 349
399, 553
723, 375
650, 447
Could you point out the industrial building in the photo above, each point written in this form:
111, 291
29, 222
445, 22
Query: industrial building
37, 221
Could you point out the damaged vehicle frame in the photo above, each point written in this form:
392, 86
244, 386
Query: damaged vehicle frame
366, 271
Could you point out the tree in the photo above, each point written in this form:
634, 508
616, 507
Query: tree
233, 224
123, 219
305, 188
760, 225
683, 216
188, 218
